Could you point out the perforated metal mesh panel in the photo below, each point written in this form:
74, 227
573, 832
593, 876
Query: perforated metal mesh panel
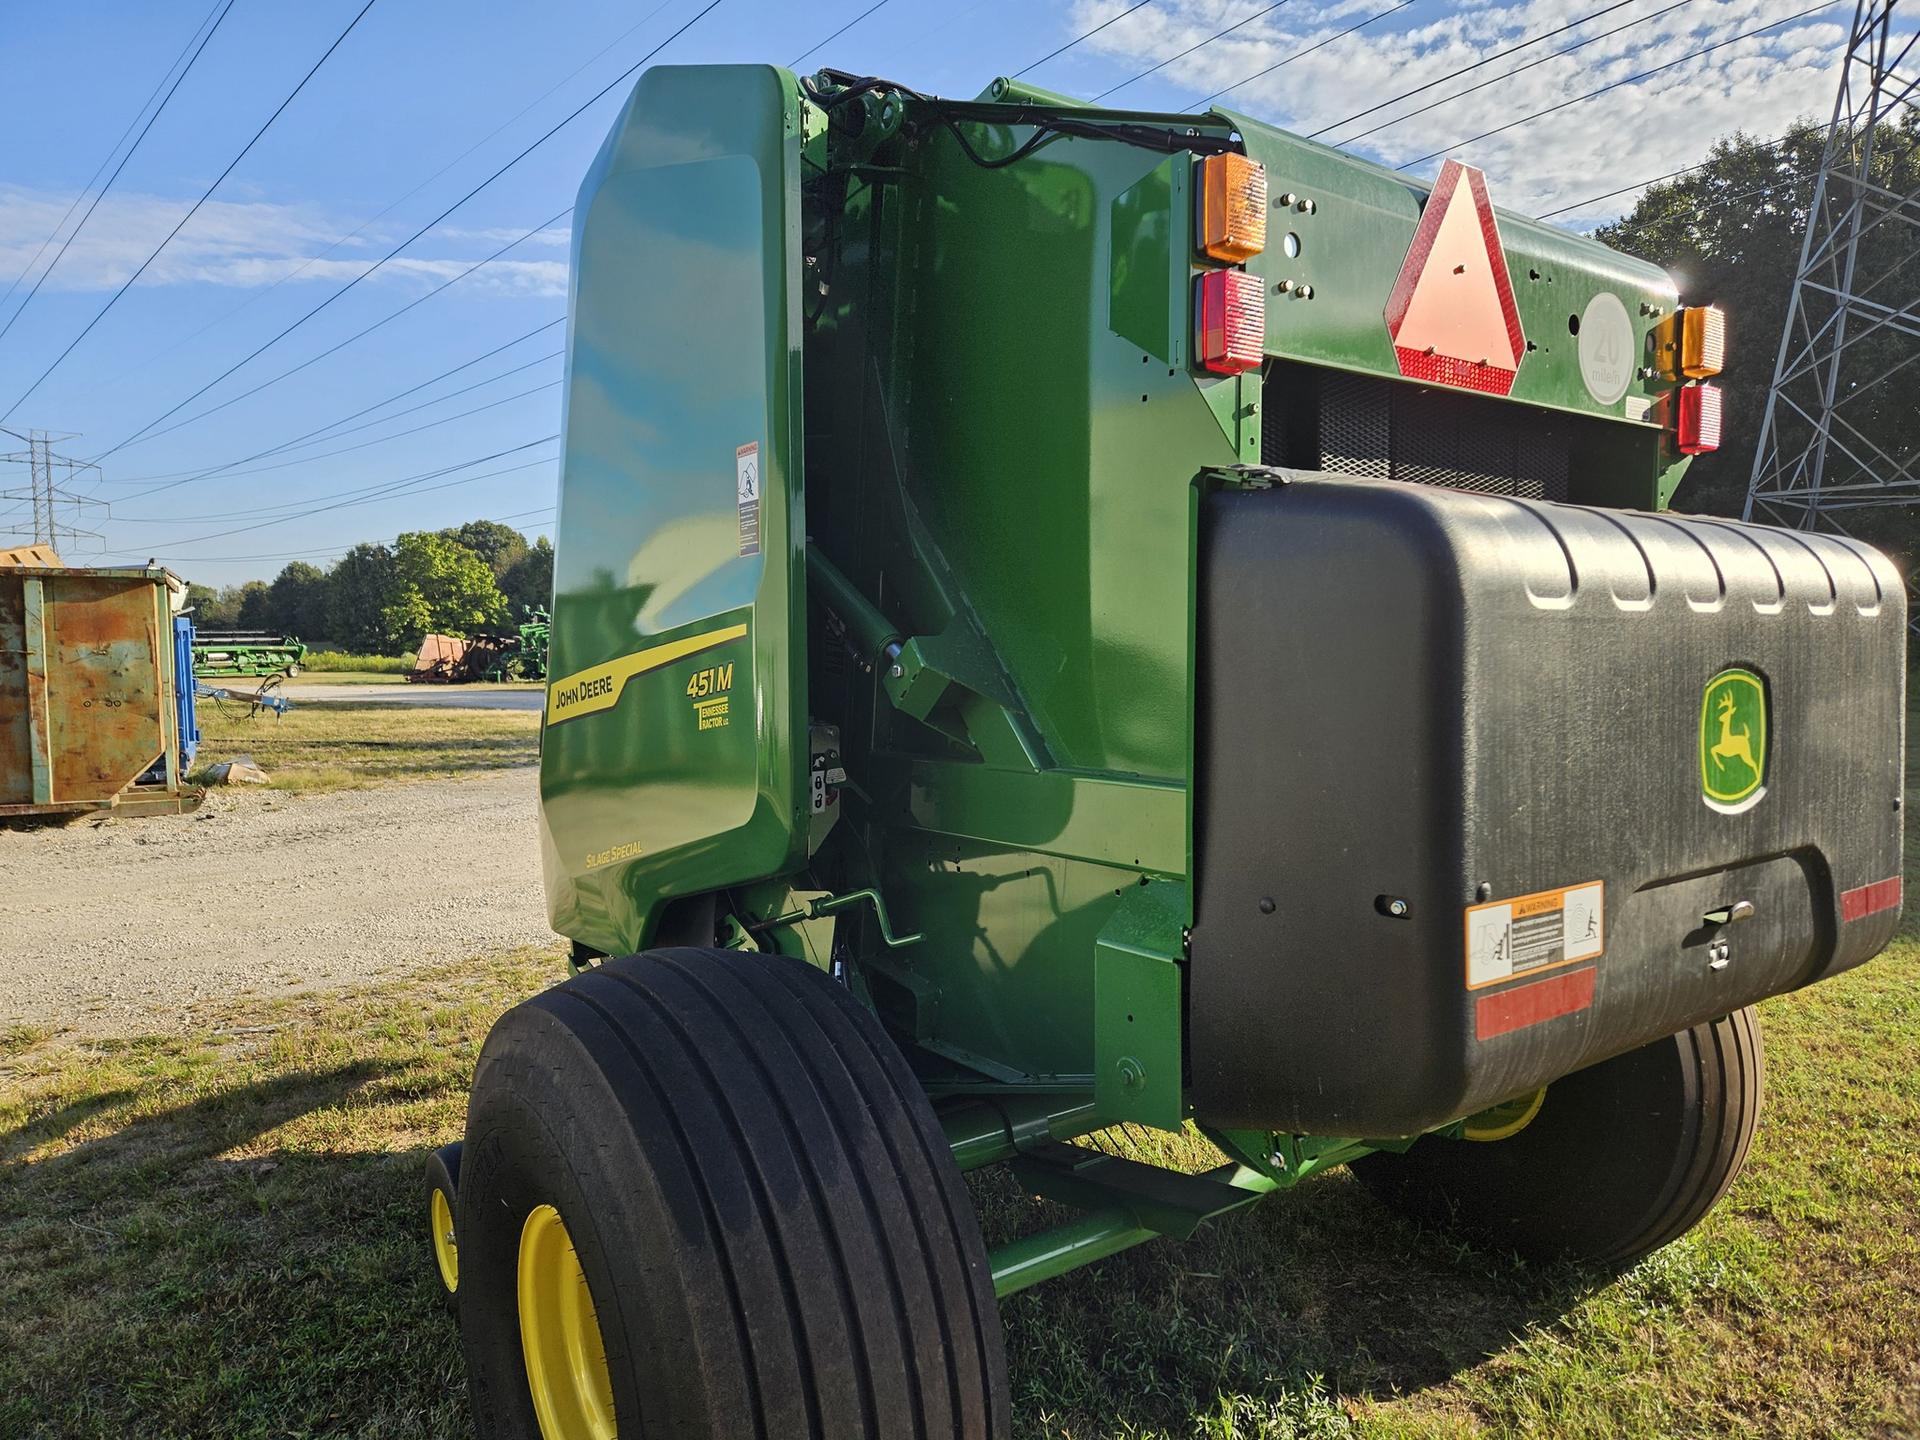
1356, 425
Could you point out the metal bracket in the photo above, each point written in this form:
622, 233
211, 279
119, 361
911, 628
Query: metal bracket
827, 904
1130, 1203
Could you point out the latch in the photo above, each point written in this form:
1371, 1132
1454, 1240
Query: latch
1720, 949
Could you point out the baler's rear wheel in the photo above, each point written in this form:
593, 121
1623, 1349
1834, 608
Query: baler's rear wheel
1618, 1160
703, 1195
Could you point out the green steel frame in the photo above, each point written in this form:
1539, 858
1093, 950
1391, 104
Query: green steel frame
877, 432
217, 654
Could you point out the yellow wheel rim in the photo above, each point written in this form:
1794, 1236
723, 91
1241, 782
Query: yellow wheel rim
560, 1335
446, 1249
1510, 1117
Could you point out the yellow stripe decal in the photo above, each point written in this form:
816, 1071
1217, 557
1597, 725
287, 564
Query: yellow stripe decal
586, 692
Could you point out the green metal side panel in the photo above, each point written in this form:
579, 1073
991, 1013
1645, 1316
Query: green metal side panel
1350, 248
1052, 439
674, 749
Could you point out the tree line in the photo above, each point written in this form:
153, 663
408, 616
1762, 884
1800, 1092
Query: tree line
380, 599
1731, 232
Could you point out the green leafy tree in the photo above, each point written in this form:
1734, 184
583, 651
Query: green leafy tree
215, 609
529, 581
297, 600
1731, 233
501, 546
203, 601
440, 586
255, 608
360, 586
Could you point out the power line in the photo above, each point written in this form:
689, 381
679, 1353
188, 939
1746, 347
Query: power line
1115, 89
701, 14
1469, 69
546, 510
205, 195
343, 450
100, 169
346, 499
1517, 70
186, 476
1617, 84
1139, 5
94, 204
315, 259
1260, 74
315, 359
1654, 180
836, 34
377, 490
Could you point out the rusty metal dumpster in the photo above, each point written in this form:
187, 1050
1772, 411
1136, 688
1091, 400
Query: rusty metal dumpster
89, 691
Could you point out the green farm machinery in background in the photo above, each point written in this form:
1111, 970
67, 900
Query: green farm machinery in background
530, 654
246, 652
1068, 618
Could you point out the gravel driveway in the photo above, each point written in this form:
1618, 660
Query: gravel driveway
124, 923
421, 697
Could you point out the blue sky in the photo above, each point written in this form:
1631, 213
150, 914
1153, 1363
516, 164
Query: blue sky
425, 98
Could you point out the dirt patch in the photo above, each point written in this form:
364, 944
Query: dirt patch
115, 922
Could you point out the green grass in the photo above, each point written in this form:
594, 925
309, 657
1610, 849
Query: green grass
323, 745
220, 1235
326, 660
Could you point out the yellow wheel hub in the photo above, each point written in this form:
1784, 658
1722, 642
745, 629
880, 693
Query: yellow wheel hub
445, 1248
1510, 1117
560, 1335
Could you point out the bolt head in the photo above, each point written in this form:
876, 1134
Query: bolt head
896, 672
1396, 908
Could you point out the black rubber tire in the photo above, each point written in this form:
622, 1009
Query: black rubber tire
775, 1235
1623, 1157
443, 1174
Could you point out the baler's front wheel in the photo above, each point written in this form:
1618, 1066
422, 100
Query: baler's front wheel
443, 1192
1613, 1162
703, 1196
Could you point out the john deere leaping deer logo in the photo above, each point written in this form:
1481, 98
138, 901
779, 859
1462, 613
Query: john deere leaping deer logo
1733, 737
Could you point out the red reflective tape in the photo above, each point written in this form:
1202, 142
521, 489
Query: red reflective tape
1445, 370
1865, 900
1425, 231
1526, 1005
1497, 258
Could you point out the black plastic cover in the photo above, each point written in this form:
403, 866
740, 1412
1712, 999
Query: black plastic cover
1452, 825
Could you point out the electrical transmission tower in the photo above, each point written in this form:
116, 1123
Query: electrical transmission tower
1837, 438
49, 488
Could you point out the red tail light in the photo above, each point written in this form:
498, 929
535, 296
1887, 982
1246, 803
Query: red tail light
1231, 308
1698, 424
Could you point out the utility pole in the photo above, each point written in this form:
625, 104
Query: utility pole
44, 493
1842, 380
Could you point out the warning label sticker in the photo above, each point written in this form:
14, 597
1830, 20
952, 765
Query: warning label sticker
1507, 939
746, 489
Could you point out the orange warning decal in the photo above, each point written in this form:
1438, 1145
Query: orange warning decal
1518, 938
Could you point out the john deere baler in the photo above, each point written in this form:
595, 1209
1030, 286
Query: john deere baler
1067, 617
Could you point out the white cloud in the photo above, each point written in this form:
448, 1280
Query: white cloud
1759, 85
243, 244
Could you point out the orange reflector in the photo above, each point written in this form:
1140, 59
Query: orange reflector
1698, 427
1231, 208
1691, 343
1230, 308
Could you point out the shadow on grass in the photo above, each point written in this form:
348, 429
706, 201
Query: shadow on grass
1263, 1320
152, 1285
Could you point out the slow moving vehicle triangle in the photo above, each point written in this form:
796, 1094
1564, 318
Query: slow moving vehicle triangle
1451, 312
